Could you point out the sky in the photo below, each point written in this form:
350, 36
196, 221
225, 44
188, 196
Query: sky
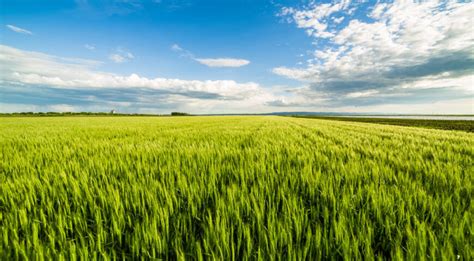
237, 56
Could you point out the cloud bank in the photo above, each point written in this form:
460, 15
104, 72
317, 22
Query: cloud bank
385, 53
48, 76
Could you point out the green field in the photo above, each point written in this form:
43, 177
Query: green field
227, 188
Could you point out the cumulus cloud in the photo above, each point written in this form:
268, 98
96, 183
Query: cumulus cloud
386, 50
33, 71
315, 17
18, 29
210, 62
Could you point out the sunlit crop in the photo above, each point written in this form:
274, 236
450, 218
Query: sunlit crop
233, 188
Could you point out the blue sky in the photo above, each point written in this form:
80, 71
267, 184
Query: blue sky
236, 56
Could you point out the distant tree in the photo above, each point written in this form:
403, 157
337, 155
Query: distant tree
179, 114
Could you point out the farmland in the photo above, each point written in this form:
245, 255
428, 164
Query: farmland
229, 188
459, 125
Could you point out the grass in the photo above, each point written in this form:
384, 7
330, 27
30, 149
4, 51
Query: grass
232, 188
460, 125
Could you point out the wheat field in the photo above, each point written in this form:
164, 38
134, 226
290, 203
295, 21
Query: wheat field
232, 188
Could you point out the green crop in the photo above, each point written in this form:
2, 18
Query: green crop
232, 188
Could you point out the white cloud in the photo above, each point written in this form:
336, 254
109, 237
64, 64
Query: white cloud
33, 68
403, 47
18, 29
292, 73
315, 17
338, 20
182, 52
378, 11
121, 55
461, 83
18, 107
89, 47
367, 93
117, 58
223, 62
61, 108
176, 48
210, 62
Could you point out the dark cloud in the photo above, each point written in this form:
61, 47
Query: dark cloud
388, 84
394, 53
457, 63
41, 95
